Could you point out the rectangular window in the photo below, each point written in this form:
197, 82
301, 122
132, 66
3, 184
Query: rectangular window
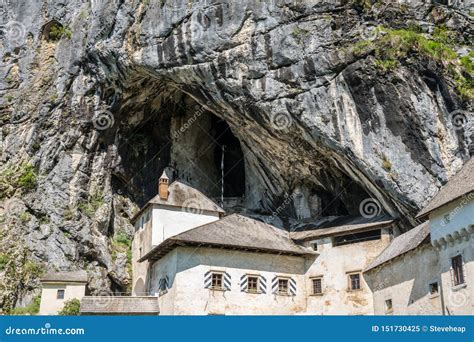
388, 306
357, 237
354, 281
434, 288
60, 294
216, 281
283, 286
315, 246
252, 284
458, 273
317, 286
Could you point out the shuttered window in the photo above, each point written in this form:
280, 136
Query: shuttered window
216, 280
283, 286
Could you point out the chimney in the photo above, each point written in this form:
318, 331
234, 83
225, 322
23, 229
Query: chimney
163, 186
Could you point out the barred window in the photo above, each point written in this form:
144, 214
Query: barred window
252, 284
317, 286
354, 281
216, 282
458, 272
283, 286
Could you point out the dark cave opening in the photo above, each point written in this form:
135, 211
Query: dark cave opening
228, 157
174, 132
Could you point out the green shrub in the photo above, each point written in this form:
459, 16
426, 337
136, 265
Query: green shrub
90, 207
31, 309
386, 164
27, 179
33, 269
4, 259
57, 31
71, 308
25, 217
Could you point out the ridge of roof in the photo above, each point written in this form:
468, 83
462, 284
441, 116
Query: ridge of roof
234, 232
462, 183
401, 245
183, 196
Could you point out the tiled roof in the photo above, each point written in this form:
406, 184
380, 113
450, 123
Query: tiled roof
232, 232
402, 244
120, 305
460, 184
65, 277
338, 226
184, 196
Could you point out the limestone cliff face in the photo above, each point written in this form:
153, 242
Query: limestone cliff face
329, 102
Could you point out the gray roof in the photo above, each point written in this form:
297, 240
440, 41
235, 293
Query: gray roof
402, 244
65, 277
184, 196
460, 184
341, 225
120, 305
232, 232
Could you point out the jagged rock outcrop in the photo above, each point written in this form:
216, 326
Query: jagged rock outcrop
326, 102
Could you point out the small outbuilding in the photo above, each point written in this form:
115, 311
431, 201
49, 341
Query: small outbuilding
59, 287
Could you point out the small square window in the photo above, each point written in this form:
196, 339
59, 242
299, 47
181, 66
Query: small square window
60, 294
252, 284
317, 286
216, 281
354, 281
434, 290
283, 286
388, 305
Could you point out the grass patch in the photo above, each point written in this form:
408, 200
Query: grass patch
4, 259
58, 31
22, 177
395, 45
386, 164
25, 217
90, 207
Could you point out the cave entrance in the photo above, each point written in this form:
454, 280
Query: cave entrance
206, 154
228, 157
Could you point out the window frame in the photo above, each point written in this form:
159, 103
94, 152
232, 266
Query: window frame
388, 310
283, 293
221, 275
313, 279
349, 281
430, 287
257, 289
63, 292
458, 276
